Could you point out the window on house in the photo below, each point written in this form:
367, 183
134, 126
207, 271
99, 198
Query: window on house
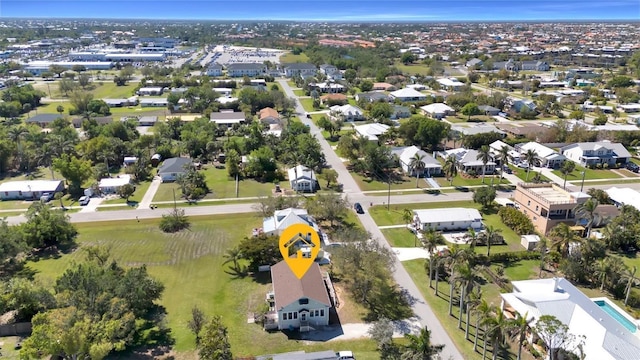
322, 312
536, 207
317, 312
284, 316
303, 301
452, 223
310, 313
295, 315
528, 202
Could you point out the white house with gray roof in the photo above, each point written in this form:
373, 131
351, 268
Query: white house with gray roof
592, 153
300, 69
447, 219
405, 156
302, 178
609, 332
467, 160
545, 156
282, 219
172, 168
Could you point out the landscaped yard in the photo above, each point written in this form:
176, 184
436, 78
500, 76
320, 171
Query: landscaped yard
307, 104
590, 174
189, 264
522, 174
405, 182
464, 181
299, 93
221, 187
137, 196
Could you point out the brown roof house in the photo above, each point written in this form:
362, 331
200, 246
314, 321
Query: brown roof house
269, 116
298, 303
333, 99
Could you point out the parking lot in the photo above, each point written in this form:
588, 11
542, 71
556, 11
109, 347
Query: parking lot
237, 54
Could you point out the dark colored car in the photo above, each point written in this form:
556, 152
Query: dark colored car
633, 167
358, 208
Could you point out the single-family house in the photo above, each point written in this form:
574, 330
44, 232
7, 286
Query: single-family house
517, 105
214, 70
112, 185
269, 116
601, 152
407, 94
371, 131
300, 69
246, 69
545, 156
624, 196
400, 112
629, 108
588, 106
147, 120
437, 110
131, 101
451, 84
29, 189
383, 86
334, 99
328, 69
406, 155
227, 118
129, 160
299, 303
603, 330
155, 102
467, 161
43, 120
489, 110
447, 219
374, 96
281, 219
473, 63
223, 91
302, 178
496, 148
347, 112
328, 87
172, 168
100, 120
150, 91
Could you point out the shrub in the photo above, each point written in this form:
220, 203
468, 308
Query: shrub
175, 221
514, 256
516, 220
605, 166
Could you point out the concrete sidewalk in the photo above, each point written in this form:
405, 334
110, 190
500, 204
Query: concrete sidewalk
151, 192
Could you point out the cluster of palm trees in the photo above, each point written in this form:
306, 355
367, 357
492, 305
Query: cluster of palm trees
491, 325
450, 167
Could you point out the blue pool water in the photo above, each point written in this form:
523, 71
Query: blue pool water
616, 315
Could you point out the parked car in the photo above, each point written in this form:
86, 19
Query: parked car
84, 200
345, 355
507, 169
523, 165
358, 208
633, 167
46, 197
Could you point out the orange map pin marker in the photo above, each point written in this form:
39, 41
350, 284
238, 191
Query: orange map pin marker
299, 246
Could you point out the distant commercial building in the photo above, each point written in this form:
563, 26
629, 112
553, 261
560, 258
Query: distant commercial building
246, 69
38, 67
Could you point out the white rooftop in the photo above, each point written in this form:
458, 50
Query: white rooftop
30, 185
115, 182
436, 108
428, 216
541, 150
626, 196
371, 131
407, 93
605, 337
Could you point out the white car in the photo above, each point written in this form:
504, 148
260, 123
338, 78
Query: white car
84, 200
345, 355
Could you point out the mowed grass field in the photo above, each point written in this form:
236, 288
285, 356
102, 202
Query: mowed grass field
190, 265
99, 89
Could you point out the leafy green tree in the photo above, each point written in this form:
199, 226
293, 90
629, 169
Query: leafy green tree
366, 85
470, 110
12, 242
75, 170
407, 58
262, 164
577, 114
197, 322
554, 333
126, 191
331, 207
330, 175
261, 250
175, 221
26, 297
47, 227
66, 86
484, 196
60, 109
423, 132
484, 155
350, 75
600, 119
57, 69
232, 163
381, 111
193, 184
214, 343
620, 81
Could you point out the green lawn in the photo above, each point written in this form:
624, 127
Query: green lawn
521, 270
291, 58
384, 217
100, 90
464, 119
299, 93
307, 104
189, 264
369, 184
51, 108
416, 69
221, 187
590, 174
440, 307
522, 174
137, 196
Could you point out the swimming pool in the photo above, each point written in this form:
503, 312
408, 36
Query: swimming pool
616, 315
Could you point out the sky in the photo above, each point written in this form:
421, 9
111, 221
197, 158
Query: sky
327, 10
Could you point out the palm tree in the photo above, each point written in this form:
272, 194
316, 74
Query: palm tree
503, 154
472, 235
489, 234
466, 278
417, 164
430, 241
587, 211
407, 217
497, 326
450, 168
484, 155
530, 157
420, 346
566, 169
601, 271
16, 134
518, 330
233, 255
482, 311
561, 237
630, 276
473, 300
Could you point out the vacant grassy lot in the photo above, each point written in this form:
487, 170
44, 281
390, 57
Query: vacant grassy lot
405, 182
416, 69
99, 89
307, 104
221, 186
189, 264
299, 93
291, 58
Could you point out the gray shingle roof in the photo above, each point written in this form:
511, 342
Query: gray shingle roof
174, 165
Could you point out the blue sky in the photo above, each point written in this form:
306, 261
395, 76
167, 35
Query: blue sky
358, 10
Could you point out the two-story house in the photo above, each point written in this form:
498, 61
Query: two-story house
246, 69
593, 153
300, 69
214, 70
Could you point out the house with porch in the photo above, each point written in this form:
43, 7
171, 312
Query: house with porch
545, 156
431, 166
295, 303
593, 153
346, 112
302, 178
437, 110
447, 219
467, 161
281, 219
407, 94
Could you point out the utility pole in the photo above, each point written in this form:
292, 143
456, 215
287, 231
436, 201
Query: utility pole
389, 192
237, 184
174, 200
583, 175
